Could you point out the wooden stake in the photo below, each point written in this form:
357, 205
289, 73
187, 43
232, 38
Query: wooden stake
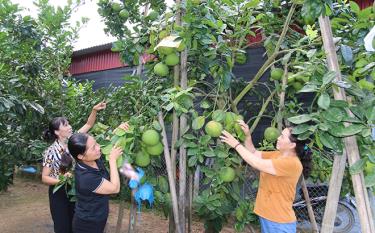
172, 183
351, 149
190, 203
196, 181
132, 215
310, 210
175, 123
182, 158
120, 210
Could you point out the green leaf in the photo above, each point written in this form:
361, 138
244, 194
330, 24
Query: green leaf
198, 123
347, 54
350, 130
328, 77
300, 129
339, 103
354, 7
370, 180
119, 132
370, 113
191, 145
58, 186
114, 139
358, 111
107, 149
300, 119
311, 53
334, 114
336, 129
192, 151
192, 161
121, 142
318, 142
371, 157
218, 115
286, 58
156, 125
366, 68
236, 160
179, 143
252, 4
366, 132
204, 140
305, 135
205, 104
357, 167
323, 126
351, 119
189, 136
222, 154
209, 153
309, 88
364, 15
326, 140
324, 101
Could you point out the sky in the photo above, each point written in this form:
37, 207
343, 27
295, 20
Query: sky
92, 33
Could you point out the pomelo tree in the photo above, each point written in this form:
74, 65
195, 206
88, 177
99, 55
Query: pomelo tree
34, 58
213, 38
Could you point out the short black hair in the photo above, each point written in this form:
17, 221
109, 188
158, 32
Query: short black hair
77, 144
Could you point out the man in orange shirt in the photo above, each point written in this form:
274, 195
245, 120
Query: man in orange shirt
279, 174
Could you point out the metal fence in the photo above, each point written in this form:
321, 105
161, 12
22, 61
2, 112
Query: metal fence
346, 213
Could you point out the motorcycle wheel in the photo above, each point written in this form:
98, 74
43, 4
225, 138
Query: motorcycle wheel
344, 220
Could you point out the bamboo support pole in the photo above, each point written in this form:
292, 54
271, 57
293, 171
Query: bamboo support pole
351, 149
172, 182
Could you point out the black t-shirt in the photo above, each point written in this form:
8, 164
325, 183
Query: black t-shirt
91, 206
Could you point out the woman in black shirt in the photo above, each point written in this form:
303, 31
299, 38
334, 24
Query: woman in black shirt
93, 183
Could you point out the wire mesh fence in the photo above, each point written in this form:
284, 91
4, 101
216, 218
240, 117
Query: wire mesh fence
317, 191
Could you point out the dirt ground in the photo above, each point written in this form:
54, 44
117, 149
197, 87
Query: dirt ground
24, 208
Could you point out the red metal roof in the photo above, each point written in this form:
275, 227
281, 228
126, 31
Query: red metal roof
364, 3
96, 61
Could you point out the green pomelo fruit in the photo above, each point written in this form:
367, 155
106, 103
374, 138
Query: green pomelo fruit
271, 134
227, 174
165, 50
161, 69
142, 159
277, 74
172, 59
155, 150
213, 128
150, 137
117, 7
124, 14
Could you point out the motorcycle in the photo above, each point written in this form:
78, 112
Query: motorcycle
345, 218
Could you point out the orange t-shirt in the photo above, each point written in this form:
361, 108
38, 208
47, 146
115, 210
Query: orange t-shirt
276, 193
